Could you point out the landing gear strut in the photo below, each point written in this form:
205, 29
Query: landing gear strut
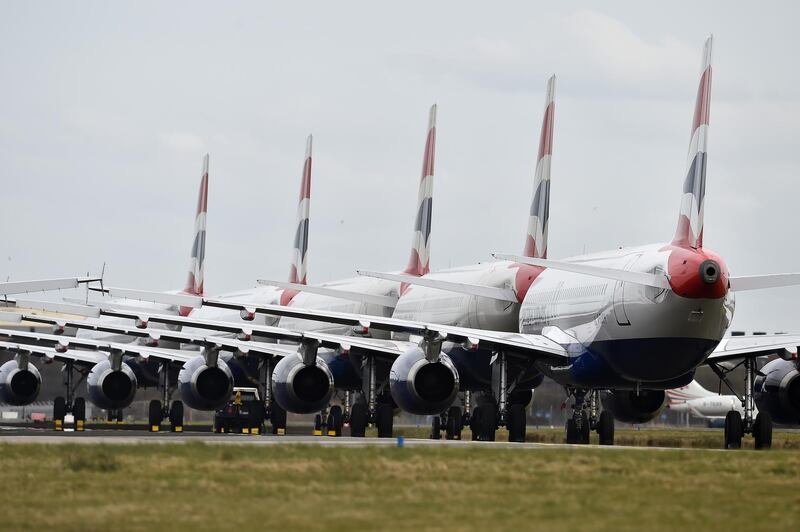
158, 411
70, 404
760, 425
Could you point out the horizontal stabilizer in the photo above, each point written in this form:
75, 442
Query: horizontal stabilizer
642, 278
738, 347
491, 292
384, 301
758, 282
179, 300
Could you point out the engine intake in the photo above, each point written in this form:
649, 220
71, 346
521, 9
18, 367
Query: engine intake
205, 387
630, 407
19, 386
302, 388
111, 389
776, 390
421, 387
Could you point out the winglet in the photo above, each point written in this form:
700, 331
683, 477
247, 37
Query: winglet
690, 221
195, 280
536, 239
419, 260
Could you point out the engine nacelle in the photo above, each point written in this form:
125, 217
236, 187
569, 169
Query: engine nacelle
205, 387
111, 389
422, 387
301, 388
776, 390
19, 386
630, 407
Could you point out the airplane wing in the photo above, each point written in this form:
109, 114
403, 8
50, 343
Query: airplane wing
242, 331
87, 358
528, 345
384, 301
491, 292
738, 347
65, 346
151, 337
43, 285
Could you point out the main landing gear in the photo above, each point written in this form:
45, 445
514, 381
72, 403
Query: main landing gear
452, 423
70, 404
158, 411
586, 418
759, 425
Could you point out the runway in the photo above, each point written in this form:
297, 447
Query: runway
130, 437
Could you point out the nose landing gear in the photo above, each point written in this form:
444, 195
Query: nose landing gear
586, 417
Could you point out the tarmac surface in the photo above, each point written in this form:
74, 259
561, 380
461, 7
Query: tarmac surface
134, 437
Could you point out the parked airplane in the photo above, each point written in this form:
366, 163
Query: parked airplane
699, 402
361, 294
633, 321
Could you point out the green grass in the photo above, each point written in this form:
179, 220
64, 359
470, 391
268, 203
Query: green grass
206, 487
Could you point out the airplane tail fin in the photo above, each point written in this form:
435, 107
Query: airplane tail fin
298, 272
536, 239
195, 280
419, 261
693, 390
690, 221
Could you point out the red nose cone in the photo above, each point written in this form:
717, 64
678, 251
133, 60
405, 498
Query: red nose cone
697, 273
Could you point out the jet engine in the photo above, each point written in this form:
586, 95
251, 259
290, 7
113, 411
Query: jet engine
631, 407
302, 386
776, 390
20, 382
205, 383
420, 386
109, 388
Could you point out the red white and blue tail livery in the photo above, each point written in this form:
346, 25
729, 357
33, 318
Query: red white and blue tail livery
419, 261
195, 280
536, 241
690, 221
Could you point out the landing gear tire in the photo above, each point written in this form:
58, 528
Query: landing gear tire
359, 417
277, 419
488, 424
733, 430
318, 425
762, 431
384, 419
571, 432
120, 416
585, 430
335, 421
575, 434
454, 424
59, 409
475, 423
436, 428
176, 416
605, 428
516, 423
154, 415
79, 413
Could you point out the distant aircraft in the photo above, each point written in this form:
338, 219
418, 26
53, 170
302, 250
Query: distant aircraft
698, 401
